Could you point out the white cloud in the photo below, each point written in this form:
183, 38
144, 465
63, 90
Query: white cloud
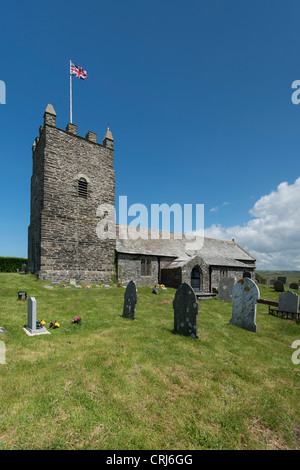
215, 209
272, 236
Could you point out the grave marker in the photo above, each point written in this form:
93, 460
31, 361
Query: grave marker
245, 294
185, 311
225, 289
130, 300
289, 302
31, 327
22, 295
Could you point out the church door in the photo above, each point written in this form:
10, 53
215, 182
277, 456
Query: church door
195, 279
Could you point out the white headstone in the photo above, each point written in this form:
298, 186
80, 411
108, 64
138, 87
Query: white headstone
31, 328
245, 294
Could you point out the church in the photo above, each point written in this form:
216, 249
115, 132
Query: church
71, 177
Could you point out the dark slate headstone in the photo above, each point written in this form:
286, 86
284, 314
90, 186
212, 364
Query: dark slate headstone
247, 274
185, 311
282, 279
130, 300
294, 286
225, 290
245, 295
278, 286
22, 295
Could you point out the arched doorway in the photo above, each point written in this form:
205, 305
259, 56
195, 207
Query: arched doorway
195, 279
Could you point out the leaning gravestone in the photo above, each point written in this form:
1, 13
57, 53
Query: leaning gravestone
225, 289
245, 295
130, 300
31, 328
185, 311
289, 302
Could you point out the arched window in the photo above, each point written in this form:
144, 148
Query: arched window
82, 188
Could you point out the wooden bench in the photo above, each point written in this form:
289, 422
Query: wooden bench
273, 310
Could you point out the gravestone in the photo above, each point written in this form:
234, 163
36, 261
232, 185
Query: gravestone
282, 279
288, 301
23, 268
185, 311
270, 281
31, 327
130, 300
245, 294
247, 274
22, 295
278, 286
2, 352
263, 281
225, 289
294, 286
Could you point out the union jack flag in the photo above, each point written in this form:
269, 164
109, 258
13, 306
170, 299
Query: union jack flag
78, 71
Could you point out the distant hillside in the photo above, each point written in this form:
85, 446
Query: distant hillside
291, 276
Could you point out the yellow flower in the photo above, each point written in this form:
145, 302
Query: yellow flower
43, 323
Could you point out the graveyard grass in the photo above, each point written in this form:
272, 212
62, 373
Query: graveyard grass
114, 383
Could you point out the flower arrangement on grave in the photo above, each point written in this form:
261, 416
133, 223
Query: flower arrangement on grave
54, 325
40, 324
76, 319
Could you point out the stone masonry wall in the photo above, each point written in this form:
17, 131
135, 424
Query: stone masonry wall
237, 273
62, 224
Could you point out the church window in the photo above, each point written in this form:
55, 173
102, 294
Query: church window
145, 267
82, 188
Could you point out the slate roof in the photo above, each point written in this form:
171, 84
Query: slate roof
213, 251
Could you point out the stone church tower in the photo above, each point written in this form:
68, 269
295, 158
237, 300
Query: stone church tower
71, 177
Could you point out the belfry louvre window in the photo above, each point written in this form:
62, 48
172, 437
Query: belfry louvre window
145, 267
82, 188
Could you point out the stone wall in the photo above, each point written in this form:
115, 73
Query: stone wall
131, 264
237, 273
62, 237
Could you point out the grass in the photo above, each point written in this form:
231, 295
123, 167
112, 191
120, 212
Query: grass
114, 383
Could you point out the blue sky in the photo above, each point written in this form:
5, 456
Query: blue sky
198, 98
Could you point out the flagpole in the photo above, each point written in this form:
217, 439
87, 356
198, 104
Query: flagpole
70, 95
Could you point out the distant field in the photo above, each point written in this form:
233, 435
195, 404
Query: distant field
114, 383
291, 276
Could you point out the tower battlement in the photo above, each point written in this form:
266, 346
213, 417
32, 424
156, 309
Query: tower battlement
50, 120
